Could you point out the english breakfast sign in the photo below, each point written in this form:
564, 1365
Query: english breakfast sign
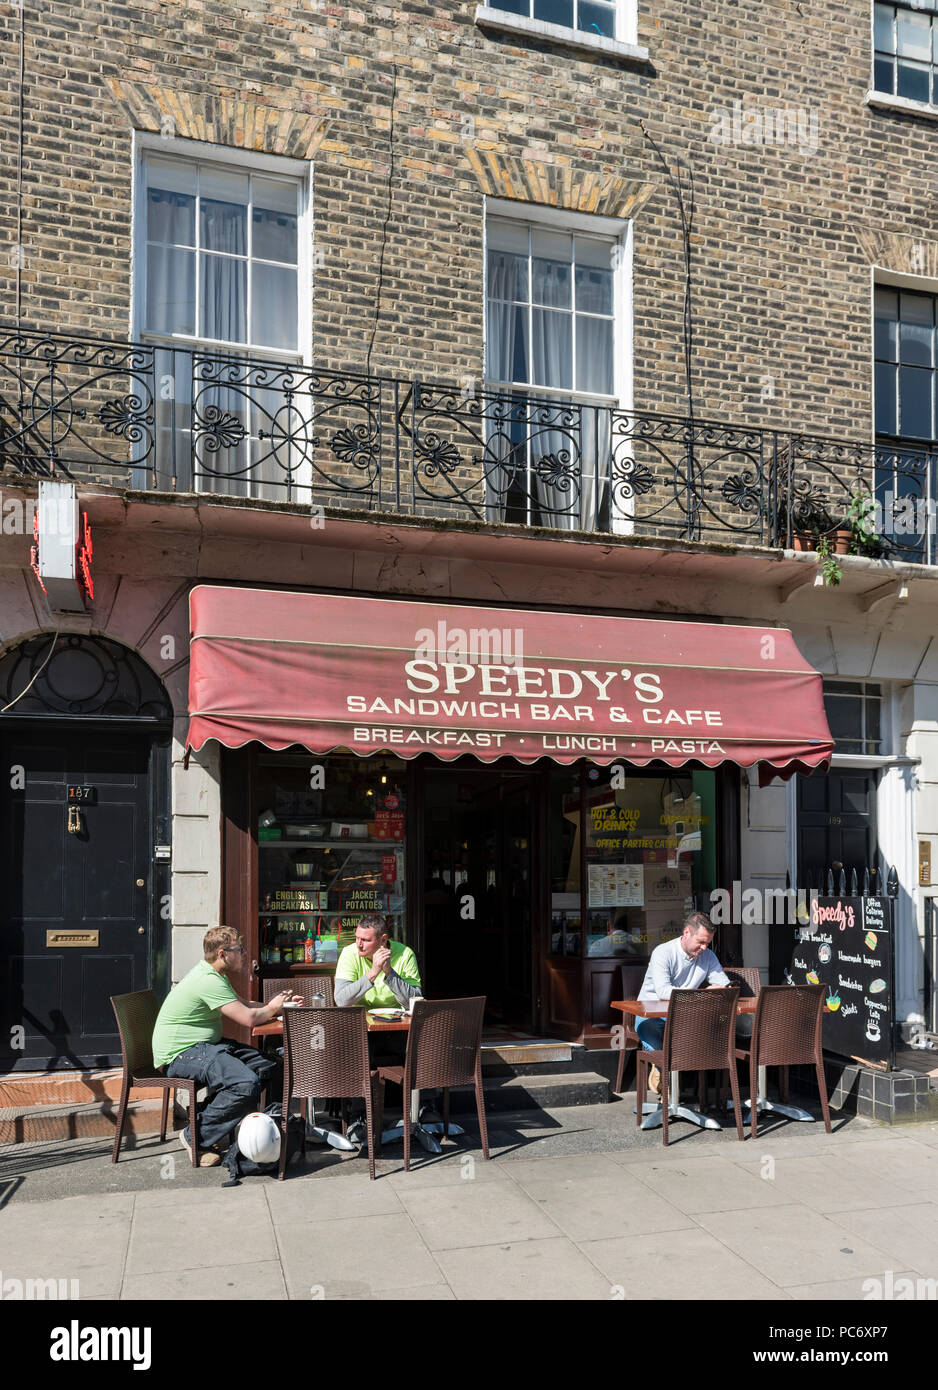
847, 947
372, 675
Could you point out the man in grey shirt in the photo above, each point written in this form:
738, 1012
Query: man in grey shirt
684, 963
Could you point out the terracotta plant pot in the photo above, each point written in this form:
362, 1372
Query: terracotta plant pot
839, 540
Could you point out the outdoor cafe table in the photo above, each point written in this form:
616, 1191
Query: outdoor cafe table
423, 1132
658, 1008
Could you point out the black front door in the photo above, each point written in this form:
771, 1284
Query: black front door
836, 823
77, 919
479, 876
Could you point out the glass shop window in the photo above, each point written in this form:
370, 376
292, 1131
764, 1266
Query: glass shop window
650, 851
331, 847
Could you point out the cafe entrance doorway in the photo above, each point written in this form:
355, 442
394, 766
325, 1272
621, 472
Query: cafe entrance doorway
480, 885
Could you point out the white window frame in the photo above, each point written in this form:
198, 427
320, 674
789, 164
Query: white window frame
887, 719
624, 45
891, 100
619, 232
245, 161
883, 278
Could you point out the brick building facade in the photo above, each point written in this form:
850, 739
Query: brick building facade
784, 234
417, 138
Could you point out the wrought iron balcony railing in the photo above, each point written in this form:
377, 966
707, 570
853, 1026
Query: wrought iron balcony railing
190, 421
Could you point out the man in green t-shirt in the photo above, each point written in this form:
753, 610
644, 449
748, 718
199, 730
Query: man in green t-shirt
378, 974
187, 1040
374, 971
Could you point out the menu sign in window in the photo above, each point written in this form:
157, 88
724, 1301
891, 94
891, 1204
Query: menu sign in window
615, 885
847, 947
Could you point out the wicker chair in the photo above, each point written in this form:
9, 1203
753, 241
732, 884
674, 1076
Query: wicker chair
632, 979
307, 985
698, 1036
787, 1033
748, 978
330, 1062
136, 1017
444, 1049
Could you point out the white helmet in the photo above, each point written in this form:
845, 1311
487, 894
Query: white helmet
259, 1138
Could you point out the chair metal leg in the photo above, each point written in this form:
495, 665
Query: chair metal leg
374, 1139
121, 1112
620, 1070
164, 1112
379, 1111
480, 1109
822, 1088
407, 1098
445, 1112
737, 1103
193, 1123
284, 1126
753, 1093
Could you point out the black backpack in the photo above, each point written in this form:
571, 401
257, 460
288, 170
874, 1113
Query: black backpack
239, 1167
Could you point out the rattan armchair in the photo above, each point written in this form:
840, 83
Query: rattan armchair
747, 977
787, 1033
444, 1049
325, 1053
698, 1036
632, 979
136, 1017
307, 985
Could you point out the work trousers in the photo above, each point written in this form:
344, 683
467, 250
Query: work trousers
234, 1075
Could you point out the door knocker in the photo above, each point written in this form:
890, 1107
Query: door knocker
74, 820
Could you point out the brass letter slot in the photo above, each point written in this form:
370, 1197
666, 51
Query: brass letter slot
71, 938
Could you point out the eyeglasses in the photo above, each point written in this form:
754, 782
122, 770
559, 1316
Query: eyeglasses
226, 949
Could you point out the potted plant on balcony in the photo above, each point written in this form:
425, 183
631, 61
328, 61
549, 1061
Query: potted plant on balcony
857, 537
831, 572
861, 515
802, 513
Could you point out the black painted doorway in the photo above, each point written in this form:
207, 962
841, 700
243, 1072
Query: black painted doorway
95, 880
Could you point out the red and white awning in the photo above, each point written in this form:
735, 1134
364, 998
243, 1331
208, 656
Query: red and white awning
376, 675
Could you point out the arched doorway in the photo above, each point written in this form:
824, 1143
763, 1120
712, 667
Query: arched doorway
85, 730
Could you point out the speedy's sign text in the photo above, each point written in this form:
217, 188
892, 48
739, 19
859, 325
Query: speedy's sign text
550, 694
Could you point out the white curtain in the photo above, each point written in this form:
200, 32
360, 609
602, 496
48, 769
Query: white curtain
560, 469
506, 335
587, 438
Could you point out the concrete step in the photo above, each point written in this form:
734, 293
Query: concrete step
96, 1119
78, 1105
546, 1090
63, 1087
500, 1057
25, 1124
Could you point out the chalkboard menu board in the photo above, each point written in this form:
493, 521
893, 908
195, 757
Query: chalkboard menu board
847, 947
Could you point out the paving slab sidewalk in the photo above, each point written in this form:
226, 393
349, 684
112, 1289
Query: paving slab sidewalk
574, 1204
